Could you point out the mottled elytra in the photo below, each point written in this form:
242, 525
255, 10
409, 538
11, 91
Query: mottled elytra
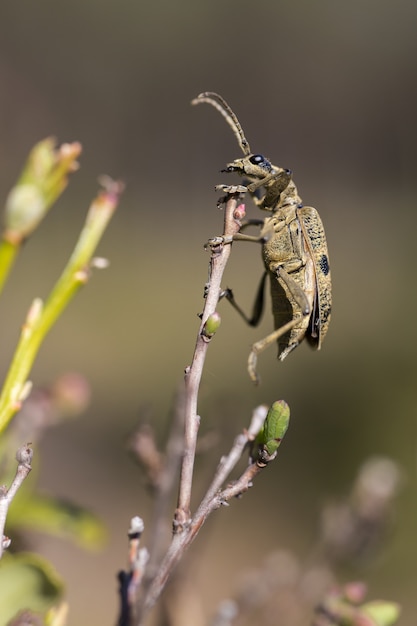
294, 250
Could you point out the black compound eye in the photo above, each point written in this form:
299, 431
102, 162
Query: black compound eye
259, 159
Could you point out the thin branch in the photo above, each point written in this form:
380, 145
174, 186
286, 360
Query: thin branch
227, 463
220, 254
41, 317
167, 484
270, 424
219, 257
213, 499
186, 527
24, 458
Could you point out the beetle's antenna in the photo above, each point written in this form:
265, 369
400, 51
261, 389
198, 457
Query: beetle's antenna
221, 105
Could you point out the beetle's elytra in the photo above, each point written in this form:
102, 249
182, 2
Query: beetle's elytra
294, 250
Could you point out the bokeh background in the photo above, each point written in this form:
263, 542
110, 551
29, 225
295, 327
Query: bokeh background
327, 88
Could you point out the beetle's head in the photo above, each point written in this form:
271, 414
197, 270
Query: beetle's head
253, 165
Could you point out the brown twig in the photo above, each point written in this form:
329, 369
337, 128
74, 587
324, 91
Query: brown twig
213, 499
130, 580
162, 471
183, 533
219, 257
167, 482
185, 526
24, 458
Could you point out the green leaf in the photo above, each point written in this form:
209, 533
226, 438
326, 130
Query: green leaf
27, 582
57, 517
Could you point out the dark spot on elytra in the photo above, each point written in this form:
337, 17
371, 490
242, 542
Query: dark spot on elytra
324, 264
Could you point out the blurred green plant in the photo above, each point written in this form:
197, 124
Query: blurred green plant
44, 178
27, 581
345, 606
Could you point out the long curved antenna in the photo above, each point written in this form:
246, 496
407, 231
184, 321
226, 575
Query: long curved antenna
221, 105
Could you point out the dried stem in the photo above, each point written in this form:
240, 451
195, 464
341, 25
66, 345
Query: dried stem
213, 499
185, 529
185, 526
24, 458
164, 489
218, 261
130, 580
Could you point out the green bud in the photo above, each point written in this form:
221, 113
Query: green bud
42, 181
274, 428
382, 613
212, 325
25, 208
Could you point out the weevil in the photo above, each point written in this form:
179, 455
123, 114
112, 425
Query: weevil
294, 250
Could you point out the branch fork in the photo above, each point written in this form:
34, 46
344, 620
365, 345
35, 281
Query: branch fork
262, 437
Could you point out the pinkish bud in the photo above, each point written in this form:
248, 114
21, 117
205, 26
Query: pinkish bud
239, 212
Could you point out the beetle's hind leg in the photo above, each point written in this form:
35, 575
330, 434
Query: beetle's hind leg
267, 341
301, 300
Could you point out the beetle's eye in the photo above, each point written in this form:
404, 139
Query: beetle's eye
259, 159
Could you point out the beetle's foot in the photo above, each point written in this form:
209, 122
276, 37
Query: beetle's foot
229, 190
227, 293
215, 242
252, 361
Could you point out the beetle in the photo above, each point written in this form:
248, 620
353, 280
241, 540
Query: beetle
294, 250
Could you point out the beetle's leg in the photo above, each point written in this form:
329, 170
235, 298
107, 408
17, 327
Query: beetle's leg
228, 191
264, 343
262, 238
258, 305
253, 238
297, 292
302, 301
267, 179
222, 240
251, 222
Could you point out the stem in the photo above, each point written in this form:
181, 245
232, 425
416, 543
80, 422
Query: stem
213, 499
41, 318
8, 253
182, 519
218, 261
24, 458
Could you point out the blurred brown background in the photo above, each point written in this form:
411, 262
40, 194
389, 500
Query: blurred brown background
327, 89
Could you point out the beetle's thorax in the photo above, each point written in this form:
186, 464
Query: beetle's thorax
281, 196
289, 196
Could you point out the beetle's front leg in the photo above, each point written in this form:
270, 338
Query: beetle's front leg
229, 190
272, 176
